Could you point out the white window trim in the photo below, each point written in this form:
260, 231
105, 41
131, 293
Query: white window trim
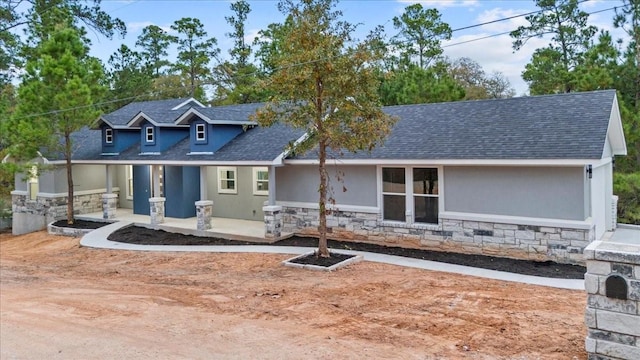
225, 169
202, 132
147, 133
256, 170
108, 136
409, 203
129, 181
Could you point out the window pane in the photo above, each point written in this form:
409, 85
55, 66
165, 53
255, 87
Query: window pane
262, 175
262, 185
425, 181
426, 209
394, 207
231, 175
393, 180
228, 184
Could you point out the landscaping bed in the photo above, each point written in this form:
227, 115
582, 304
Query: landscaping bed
144, 236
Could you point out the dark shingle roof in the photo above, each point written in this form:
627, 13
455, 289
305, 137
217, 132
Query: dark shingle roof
565, 126
122, 116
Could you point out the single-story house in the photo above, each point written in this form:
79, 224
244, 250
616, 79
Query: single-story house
526, 177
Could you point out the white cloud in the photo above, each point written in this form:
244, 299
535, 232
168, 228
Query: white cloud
135, 27
501, 26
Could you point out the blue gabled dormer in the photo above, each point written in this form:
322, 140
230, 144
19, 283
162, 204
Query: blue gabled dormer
208, 134
115, 141
155, 139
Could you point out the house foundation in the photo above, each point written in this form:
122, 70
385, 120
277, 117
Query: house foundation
540, 243
612, 315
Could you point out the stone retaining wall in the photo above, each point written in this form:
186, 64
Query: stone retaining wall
564, 245
612, 315
55, 208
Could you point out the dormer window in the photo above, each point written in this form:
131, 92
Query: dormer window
201, 133
108, 136
149, 134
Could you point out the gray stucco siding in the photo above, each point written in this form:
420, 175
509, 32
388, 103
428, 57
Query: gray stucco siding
299, 183
242, 205
88, 177
541, 192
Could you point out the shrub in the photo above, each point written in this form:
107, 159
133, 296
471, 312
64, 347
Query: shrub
627, 187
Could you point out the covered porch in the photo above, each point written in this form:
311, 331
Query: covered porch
235, 229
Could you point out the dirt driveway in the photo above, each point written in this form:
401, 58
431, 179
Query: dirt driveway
61, 301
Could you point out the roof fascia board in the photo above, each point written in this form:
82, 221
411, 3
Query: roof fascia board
138, 119
167, 162
615, 132
184, 118
279, 160
186, 102
460, 162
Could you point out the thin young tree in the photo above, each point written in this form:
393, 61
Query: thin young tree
56, 98
324, 83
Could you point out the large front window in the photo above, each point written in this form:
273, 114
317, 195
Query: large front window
410, 191
260, 181
393, 194
227, 180
425, 195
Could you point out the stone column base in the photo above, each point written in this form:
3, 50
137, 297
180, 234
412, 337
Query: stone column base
156, 210
109, 204
204, 212
272, 221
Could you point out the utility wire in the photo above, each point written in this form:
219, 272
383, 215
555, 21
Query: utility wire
328, 58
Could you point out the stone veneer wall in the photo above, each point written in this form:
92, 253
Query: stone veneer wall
564, 245
612, 315
55, 208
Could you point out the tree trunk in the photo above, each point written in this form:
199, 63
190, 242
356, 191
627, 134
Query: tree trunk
323, 250
67, 153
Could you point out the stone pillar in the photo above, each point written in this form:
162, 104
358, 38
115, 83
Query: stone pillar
612, 283
272, 221
204, 212
156, 206
109, 203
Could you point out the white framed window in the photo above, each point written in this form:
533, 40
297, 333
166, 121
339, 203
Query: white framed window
410, 194
108, 136
201, 132
425, 195
149, 134
394, 199
227, 180
128, 170
260, 181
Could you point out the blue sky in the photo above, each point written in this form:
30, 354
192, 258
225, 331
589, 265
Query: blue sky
494, 54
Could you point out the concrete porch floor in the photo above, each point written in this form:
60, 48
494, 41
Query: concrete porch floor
235, 229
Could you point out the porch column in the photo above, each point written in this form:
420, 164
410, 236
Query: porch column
108, 174
155, 174
156, 210
204, 182
204, 212
272, 221
272, 186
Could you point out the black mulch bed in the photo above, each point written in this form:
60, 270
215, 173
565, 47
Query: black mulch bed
143, 236
313, 259
81, 224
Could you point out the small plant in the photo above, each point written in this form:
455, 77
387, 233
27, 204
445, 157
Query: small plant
5, 209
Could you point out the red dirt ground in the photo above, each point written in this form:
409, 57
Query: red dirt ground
61, 301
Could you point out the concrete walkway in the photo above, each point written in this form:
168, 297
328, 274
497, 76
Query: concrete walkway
98, 239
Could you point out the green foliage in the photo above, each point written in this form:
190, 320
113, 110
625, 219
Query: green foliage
476, 83
154, 42
415, 85
551, 68
420, 33
129, 78
195, 51
627, 187
322, 84
270, 43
